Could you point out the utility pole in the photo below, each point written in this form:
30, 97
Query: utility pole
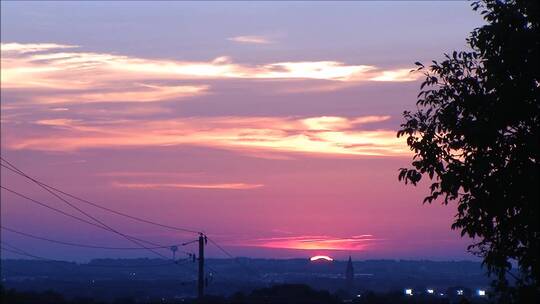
200, 282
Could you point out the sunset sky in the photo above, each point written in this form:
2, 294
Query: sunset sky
270, 126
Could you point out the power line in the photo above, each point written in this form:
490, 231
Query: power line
51, 208
77, 244
93, 224
248, 269
65, 213
23, 253
157, 246
50, 189
221, 248
84, 221
19, 172
19, 251
85, 213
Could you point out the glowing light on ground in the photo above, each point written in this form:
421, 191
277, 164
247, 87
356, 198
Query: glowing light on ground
321, 257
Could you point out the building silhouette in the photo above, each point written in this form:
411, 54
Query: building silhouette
349, 276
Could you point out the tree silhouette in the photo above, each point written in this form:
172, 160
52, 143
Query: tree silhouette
475, 135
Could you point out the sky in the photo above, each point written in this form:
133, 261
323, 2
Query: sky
271, 126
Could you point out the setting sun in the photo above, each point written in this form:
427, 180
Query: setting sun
321, 257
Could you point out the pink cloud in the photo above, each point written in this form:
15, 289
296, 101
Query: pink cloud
228, 186
352, 243
148, 174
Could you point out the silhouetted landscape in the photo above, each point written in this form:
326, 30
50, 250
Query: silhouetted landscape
277, 294
270, 152
141, 279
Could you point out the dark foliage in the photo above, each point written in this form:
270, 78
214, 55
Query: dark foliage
286, 294
12, 296
475, 135
278, 294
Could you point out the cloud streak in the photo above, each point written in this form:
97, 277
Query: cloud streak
137, 93
336, 136
353, 243
251, 39
32, 47
62, 77
69, 75
219, 186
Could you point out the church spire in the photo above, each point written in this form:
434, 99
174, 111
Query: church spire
349, 275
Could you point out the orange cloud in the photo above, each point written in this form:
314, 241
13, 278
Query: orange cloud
117, 78
397, 75
337, 136
54, 74
360, 242
60, 122
36, 67
329, 123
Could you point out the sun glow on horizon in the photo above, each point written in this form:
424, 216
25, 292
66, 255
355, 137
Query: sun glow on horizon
321, 257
